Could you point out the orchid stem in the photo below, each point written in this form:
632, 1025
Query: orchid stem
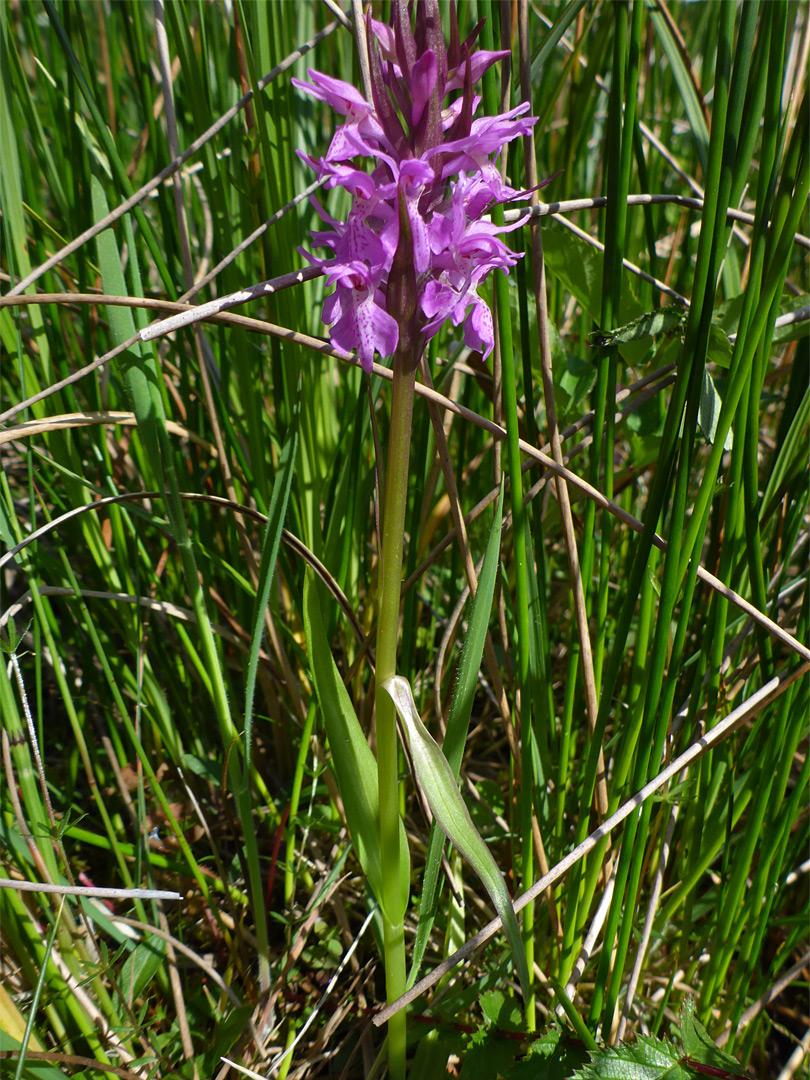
393, 540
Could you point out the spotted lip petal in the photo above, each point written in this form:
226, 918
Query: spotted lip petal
402, 131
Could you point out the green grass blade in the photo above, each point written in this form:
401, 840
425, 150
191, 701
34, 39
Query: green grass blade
276, 513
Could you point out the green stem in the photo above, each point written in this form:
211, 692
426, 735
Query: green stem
393, 535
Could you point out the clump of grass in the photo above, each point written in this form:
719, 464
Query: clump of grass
160, 504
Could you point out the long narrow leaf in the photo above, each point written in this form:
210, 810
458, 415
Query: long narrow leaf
353, 761
435, 778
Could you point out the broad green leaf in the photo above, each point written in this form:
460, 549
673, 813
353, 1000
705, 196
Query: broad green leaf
580, 269
140, 967
699, 1045
573, 384
438, 784
649, 325
227, 1032
352, 760
433, 1052
719, 348
500, 1010
666, 320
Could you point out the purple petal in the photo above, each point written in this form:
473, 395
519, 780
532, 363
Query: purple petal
478, 329
480, 61
385, 35
488, 134
423, 83
341, 96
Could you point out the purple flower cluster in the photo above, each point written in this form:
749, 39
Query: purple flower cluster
433, 181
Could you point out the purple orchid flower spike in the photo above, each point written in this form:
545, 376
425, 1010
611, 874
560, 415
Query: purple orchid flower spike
434, 172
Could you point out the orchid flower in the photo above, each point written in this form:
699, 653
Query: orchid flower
441, 163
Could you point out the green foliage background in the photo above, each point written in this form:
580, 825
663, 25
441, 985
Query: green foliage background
171, 484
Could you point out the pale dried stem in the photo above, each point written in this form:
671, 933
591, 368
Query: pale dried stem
666, 380
566, 517
177, 994
361, 40
762, 1002
173, 610
649, 920
589, 944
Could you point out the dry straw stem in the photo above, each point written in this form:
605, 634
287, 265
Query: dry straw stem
216, 309
744, 712
51, 1057
761, 1003
82, 890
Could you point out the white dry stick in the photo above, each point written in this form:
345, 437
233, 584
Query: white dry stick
171, 168
362, 48
223, 303
82, 890
796, 1058
274, 1065
32, 735
771, 627
646, 933
589, 944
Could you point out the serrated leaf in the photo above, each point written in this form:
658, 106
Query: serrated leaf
438, 784
646, 1059
699, 1046
649, 325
